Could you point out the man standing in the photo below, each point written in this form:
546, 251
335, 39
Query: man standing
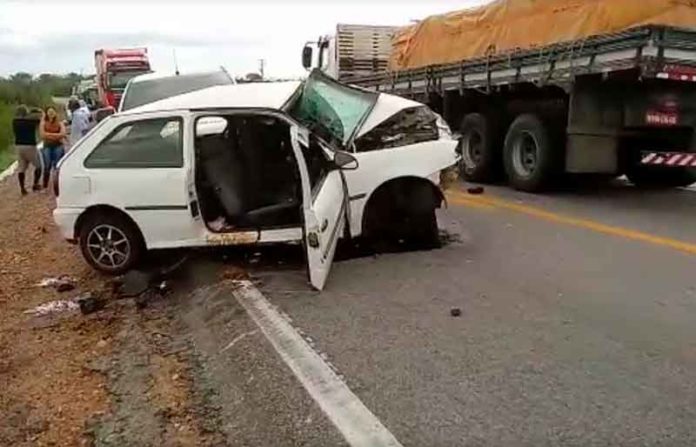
80, 123
24, 128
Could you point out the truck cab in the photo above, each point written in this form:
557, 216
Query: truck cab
322, 55
115, 68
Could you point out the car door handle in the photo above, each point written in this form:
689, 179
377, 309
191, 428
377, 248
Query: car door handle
324, 225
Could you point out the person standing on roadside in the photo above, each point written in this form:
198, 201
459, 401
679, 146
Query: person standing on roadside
80, 121
52, 133
25, 128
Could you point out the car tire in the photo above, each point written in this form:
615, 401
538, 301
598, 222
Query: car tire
389, 225
110, 243
530, 158
422, 231
480, 149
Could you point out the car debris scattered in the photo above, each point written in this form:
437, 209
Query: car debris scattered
53, 307
144, 284
456, 312
88, 303
475, 190
61, 283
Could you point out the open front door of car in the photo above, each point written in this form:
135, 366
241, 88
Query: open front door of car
324, 221
324, 217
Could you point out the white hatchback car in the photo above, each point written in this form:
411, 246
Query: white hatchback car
291, 162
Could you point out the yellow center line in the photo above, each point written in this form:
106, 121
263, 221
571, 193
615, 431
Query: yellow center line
460, 198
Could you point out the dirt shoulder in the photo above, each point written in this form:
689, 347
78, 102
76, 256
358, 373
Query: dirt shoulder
112, 377
47, 390
160, 370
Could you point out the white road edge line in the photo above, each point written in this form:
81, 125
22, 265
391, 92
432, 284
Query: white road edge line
352, 418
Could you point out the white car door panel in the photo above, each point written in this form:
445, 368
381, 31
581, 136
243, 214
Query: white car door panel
324, 212
141, 168
324, 221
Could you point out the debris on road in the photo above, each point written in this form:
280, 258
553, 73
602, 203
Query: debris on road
456, 312
63, 283
89, 304
475, 190
53, 307
137, 282
237, 339
133, 283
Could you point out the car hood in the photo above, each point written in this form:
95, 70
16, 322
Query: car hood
386, 106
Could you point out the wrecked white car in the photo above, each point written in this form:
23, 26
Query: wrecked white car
257, 163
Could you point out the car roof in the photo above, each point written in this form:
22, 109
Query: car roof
163, 75
266, 95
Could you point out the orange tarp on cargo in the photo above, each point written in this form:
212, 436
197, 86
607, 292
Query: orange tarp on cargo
507, 25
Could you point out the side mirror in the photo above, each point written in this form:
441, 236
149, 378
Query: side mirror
307, 57
345, 161
102, 113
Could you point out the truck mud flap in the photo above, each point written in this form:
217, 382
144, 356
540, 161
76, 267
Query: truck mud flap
669, 159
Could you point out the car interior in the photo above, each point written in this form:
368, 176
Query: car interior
246, 173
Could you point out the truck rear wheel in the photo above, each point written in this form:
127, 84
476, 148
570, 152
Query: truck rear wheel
480, 149
529, 156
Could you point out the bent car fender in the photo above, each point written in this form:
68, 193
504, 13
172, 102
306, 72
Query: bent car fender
423, 160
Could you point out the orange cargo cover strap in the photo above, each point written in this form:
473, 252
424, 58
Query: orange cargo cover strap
508, 25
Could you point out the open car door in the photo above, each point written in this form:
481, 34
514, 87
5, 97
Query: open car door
324, 209
324, 221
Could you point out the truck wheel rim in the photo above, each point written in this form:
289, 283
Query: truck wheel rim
108, 246
472, 149
525, 154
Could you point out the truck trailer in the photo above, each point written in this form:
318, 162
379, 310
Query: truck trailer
603, 103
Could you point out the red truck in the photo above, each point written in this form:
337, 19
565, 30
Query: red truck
115, 68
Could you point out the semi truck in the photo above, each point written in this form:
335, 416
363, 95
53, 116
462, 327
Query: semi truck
611, 103
114, 69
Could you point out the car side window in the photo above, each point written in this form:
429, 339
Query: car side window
151, 143
318, 163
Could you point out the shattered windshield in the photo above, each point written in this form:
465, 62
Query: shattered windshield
332, 110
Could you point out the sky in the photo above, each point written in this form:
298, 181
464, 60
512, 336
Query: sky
61, 36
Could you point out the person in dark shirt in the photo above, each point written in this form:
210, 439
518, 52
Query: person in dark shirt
24, 128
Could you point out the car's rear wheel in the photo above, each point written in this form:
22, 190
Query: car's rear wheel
110, 243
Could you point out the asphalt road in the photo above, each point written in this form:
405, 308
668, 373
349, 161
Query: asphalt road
577, 325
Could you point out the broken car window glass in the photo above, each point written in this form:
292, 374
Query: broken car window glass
332, 110
409, 126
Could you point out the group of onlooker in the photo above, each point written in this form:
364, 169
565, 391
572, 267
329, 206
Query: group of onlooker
46, 126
